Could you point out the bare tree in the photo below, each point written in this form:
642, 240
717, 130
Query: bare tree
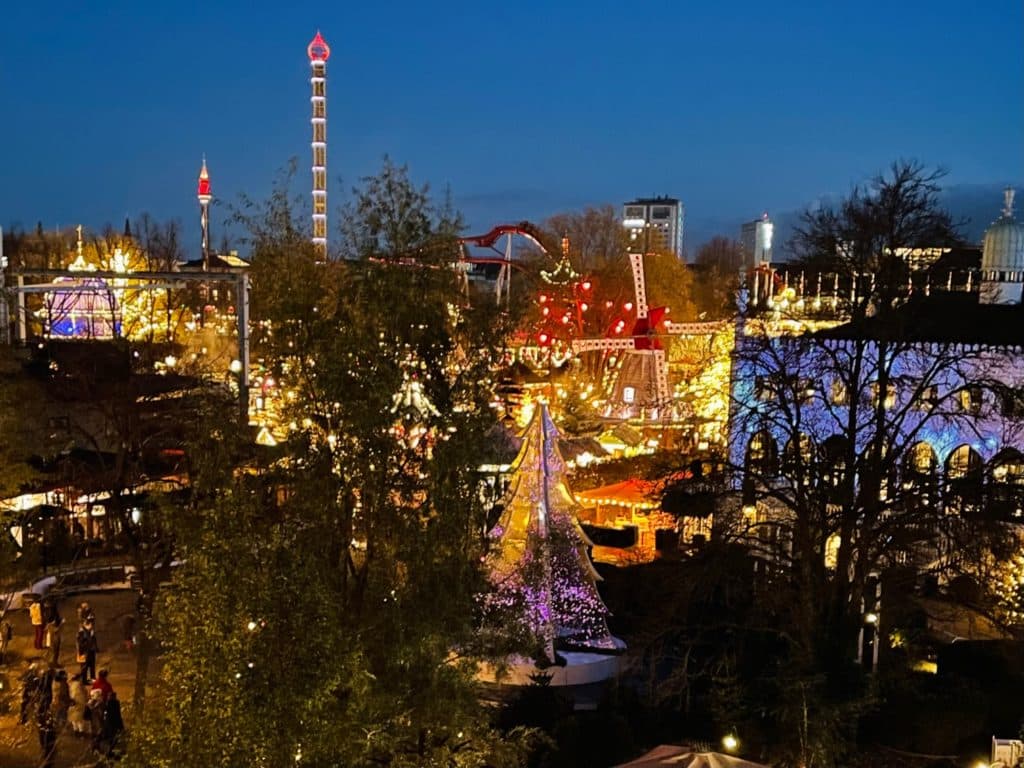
840, 426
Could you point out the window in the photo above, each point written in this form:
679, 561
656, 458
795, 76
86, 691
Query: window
890, 394
963, 463
970, 398
839, 396
928, 399
804, 391
1012, 402
628, 394
922, 459
762, 453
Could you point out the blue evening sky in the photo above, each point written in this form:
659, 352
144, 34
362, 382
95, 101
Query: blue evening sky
525, 108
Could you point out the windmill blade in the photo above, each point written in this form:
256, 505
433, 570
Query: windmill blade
661, 378
695, 329
586, 345
636, 262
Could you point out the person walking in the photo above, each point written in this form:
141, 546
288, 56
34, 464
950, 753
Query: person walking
47, 740
94, 716
61, 700
87, 647
113, 725
29, 692
35, 613
51, 611
45, 691
78, 713
103, 685
54, 630
6, 633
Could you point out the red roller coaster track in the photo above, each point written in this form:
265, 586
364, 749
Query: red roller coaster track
523, 229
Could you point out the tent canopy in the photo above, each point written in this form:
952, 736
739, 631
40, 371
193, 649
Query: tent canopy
686, 757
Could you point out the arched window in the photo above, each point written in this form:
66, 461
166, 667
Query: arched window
964, 480
762, 453
922, 461
963, 463
798, 456
920, 476
1006, 492
834, 452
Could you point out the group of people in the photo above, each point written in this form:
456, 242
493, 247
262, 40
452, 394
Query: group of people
86, 701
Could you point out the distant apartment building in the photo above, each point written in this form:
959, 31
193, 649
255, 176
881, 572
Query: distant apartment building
655, 224
756, 241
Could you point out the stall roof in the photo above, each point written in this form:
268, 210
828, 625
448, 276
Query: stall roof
632, 492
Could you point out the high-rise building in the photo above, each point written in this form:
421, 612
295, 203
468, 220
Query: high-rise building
319, 52
655, 224
756, 241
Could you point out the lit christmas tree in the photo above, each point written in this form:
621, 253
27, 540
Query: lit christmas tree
544, 585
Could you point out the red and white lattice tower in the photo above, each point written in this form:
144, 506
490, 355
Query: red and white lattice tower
319, 52
205, 196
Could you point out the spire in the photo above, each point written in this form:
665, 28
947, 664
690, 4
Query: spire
1008, 202
205, 196
127, 227
318, 48
203, 191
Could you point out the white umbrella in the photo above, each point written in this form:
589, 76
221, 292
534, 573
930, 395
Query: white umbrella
686, 757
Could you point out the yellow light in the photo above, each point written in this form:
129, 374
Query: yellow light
730, 742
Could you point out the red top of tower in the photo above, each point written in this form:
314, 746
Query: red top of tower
204, 182
318, 49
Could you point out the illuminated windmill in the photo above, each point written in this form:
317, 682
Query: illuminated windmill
641, 387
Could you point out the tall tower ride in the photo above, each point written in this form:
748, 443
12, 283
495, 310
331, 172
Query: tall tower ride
319, 52
203, 193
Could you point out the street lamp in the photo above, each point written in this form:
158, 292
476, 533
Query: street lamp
730, 742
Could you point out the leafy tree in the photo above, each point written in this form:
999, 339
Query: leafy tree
717, 271
326, 604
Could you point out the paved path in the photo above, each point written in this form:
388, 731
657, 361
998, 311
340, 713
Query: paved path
19, 745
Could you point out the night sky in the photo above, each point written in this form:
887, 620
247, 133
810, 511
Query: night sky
524, 108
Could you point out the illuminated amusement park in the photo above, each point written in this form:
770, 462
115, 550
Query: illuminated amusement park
570, 491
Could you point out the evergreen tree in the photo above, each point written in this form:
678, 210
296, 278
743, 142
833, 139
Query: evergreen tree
544, 585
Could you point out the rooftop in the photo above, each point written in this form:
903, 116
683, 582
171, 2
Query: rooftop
944, 317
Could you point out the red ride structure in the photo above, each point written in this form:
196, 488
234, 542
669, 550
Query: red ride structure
523, 229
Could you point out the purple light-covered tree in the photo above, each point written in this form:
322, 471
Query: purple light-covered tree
544, 587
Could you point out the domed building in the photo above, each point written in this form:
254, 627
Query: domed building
1002, 259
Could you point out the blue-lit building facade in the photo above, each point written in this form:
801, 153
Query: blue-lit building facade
934, 386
